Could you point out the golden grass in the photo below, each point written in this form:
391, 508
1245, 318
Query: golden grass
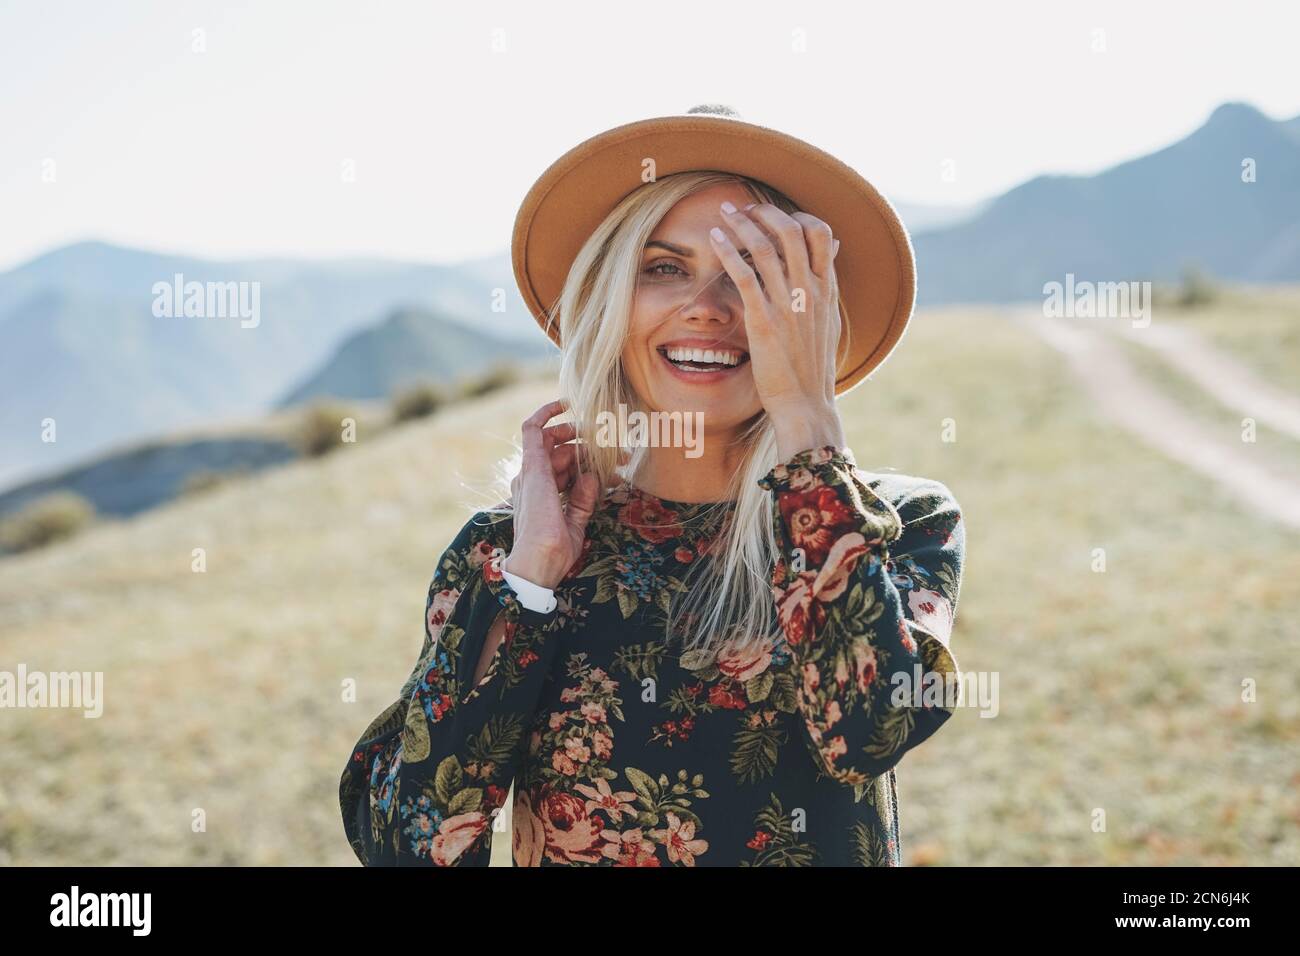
1119, 690
1260, 325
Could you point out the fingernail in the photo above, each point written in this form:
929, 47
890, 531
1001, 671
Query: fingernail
837, 247
717, 234
750, 206
728, 207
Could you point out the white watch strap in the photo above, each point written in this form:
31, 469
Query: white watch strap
532, 596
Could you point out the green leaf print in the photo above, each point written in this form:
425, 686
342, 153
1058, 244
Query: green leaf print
758, 688
775, 841
447, 780
471, 798
754, 751
497, 740
640, 661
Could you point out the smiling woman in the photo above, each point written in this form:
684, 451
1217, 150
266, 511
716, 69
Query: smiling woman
676, 659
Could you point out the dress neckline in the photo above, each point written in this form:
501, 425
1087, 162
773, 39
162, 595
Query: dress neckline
678, 507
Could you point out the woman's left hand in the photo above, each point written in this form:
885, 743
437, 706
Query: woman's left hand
791, 324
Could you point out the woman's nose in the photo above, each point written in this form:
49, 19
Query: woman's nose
717, 299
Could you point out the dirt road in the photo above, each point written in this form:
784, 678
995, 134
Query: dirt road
1140, 407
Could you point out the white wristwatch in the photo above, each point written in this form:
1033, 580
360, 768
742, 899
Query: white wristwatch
532, 596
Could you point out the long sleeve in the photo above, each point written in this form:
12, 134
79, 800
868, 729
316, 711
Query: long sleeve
426, 779
866, 594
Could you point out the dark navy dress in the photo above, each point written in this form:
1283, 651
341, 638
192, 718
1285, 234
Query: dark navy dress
627, 748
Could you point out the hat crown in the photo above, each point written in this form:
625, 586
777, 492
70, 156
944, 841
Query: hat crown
875, 271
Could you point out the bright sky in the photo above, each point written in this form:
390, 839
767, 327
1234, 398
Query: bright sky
237, 150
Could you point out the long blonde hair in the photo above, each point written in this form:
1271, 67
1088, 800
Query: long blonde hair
728, 598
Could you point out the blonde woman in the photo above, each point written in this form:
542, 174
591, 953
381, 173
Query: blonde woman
695, 633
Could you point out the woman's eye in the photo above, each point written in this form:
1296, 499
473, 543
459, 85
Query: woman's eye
655, 269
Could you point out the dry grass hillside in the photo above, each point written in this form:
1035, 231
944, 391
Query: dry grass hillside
1119, 690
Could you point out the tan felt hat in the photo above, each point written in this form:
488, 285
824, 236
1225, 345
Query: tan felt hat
875, 267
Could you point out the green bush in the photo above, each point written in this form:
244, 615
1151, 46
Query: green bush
417, 401
498, 376
1197, 289
45, 520
321, 429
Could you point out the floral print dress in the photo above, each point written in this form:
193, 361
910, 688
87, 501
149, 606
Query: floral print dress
625, 748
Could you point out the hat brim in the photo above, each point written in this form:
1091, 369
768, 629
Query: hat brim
875, 265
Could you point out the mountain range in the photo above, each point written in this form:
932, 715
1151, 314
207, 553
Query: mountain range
81, 347
86, 362
1185, 206
409, 347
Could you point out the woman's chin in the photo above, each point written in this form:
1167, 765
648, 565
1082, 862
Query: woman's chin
716, 409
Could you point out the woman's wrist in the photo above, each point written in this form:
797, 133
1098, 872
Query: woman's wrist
532, 595
798, 430
518, 562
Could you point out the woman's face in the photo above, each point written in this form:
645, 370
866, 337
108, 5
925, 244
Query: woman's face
675, 313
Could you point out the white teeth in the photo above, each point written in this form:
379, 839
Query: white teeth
707, 356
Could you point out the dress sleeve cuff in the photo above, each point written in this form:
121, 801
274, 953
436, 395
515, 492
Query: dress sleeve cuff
804, 479
801, 470
508, 598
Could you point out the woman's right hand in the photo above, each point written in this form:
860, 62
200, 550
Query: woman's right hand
548, 535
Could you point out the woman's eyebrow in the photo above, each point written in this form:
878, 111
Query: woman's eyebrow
677, 250
670, 247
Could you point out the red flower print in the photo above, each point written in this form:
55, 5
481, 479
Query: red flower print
650, 519
744, 660
812, 679
571, 835
833, 578
671, 730
723, 696
759, 840
905, 638
563, 765
642, 854
456, 835
602, 797
630, 848
800, 615
492, 567
816, 518
932, 611
440, 609
836, 749
480, 554
683, 555
679, 838
440, 707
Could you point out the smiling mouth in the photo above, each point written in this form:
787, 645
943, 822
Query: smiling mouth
704, 360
